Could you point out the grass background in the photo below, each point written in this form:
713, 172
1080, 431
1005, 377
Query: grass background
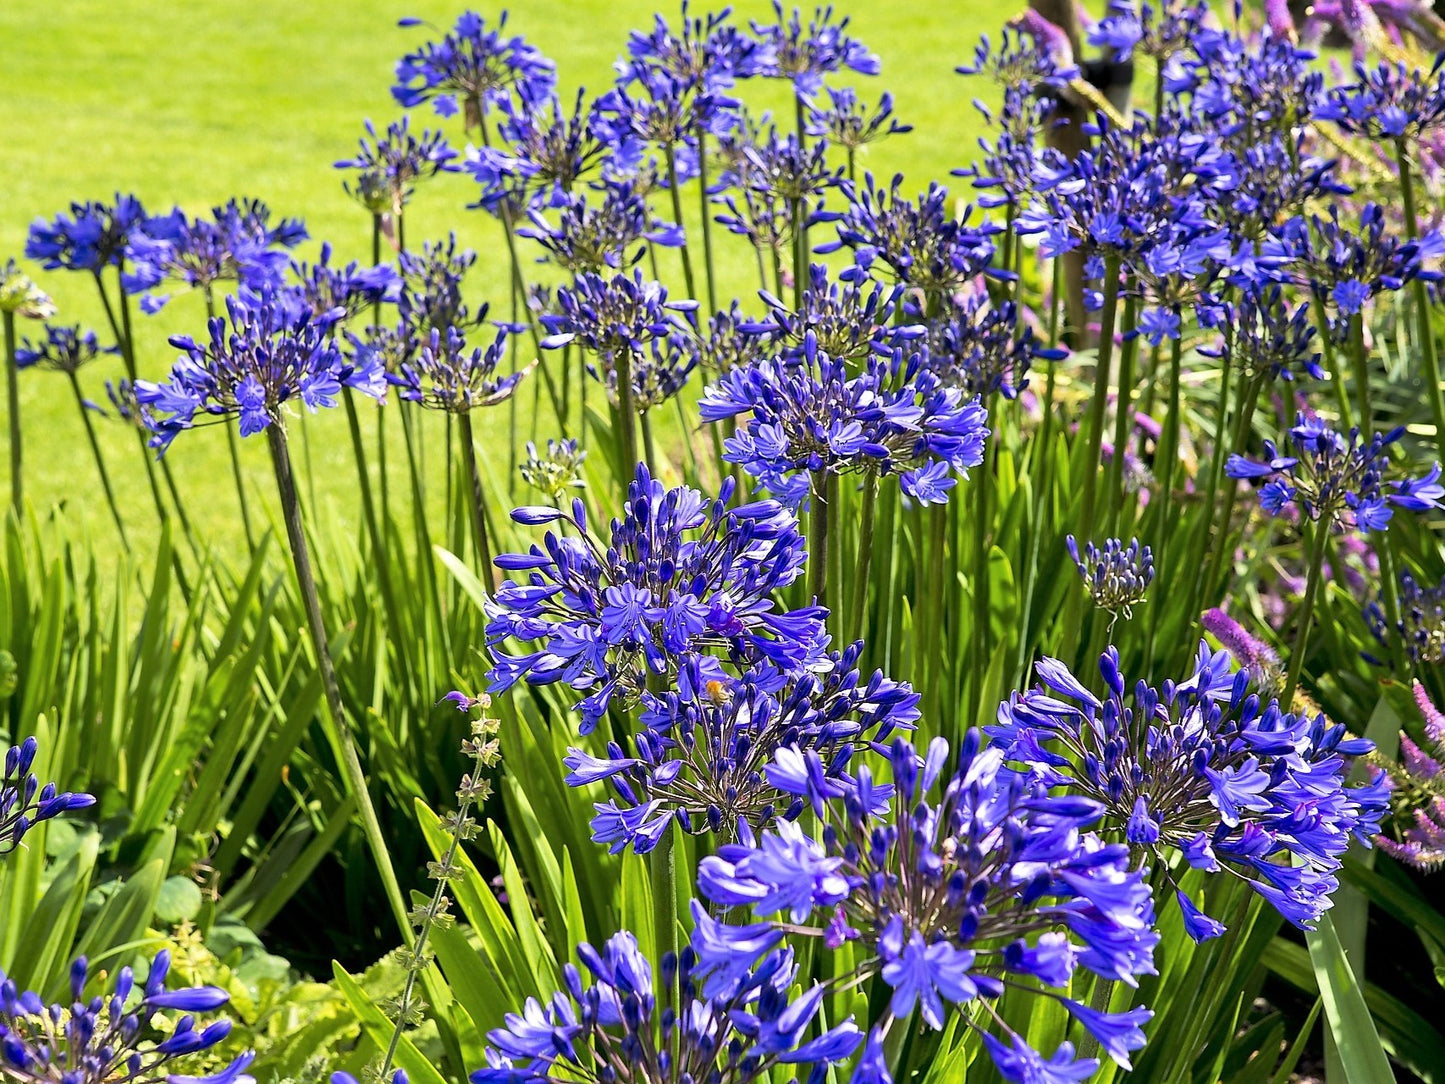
191, 104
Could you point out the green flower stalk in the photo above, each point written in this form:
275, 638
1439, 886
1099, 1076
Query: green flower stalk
19, 296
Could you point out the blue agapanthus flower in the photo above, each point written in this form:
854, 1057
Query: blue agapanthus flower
619, 1023
1390, 101
91, 237
1268, 333
540, 154
813, 414
724, 753
351, 287
805, 54
24, 803
948, 897
1116, 576
270, 349
471, 68
1155, 30
600, 231
708, 52
921, 243
850, 319
117, 1038
1201, 768
984, 348
1337, 478
389, 165
1420, 628
446, 374
237, 243
678, 575
850, 123
606, 315
65, 349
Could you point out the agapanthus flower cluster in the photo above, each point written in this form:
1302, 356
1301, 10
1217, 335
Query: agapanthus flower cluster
431, 289
389, 166
65, 349
1157, 32
1335, 478
731, 340
554, 471
1417, 795
104, 1040
93, 236
805, 54
350, 287
237, 243
1116, 576
923, 244
1204, 768
849, 319
1264, 332
445, 374
985, 349
707, 52
788, 173
597, 235
1390, 101
607, 316
848, 122
476, 65
677, 575
811, 414
541, 154
1421, 626
992, 884
727, 754
20, 295
269, 350
24, 803
624, 1023
652, 108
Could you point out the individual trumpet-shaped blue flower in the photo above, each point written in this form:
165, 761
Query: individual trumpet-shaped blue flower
65, 349
723, 754
119, 1038
474, 65
1337, 479
389, 166
24, 803
92, 237
678, 575
1202, 768
805, 55
270, 349
922, 243
952, 897
613, 1025
445, 375
810, 414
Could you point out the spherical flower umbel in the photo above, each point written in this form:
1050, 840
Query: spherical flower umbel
725, 754
1391, 101
1336, 478
20, 295
445, 375
619, 1024
805, 54
1116, 576
991, 885
554, 472
677, 575
810, 414
24, 803
388, 166
1421, 625
606, 315
92, 237
269, 350
119, 1038
63, 350
473, 63
1203, 768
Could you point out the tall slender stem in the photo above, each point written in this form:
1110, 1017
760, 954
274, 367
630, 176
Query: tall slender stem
981, 547
1429, 361
1306, 612
12, 381
99, 461
662, 868
860, 577
478, 501
353, 776
670, 156
1099, 403
706, 211
626, 414
1360, 361
368, 505
233, 443
1123, 413
818, 514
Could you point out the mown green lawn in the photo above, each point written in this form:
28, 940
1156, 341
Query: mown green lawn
193, 103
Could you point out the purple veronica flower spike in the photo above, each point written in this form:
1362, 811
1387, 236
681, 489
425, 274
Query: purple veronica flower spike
1203, 768
474, 65
616, 1026
726, 754
24, 803
811, 414
1417, 793
109, 1039
678, 575
1337, 479
946, 896
270, 349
